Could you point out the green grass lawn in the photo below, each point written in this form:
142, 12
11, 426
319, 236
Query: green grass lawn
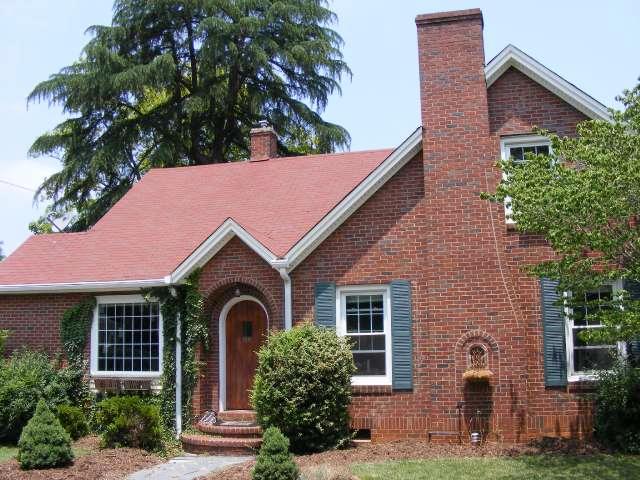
548, 467
7, 452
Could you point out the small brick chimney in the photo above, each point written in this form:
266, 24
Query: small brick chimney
264, 142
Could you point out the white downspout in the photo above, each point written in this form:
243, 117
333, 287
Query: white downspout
178, 402
288, 300
178, 376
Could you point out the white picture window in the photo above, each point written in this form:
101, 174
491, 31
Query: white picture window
517, 147
126, 337
583, 359
364, 317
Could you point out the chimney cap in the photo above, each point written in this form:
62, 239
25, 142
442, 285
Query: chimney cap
452, 16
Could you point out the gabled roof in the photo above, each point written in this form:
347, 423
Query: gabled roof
176, 219
512, 56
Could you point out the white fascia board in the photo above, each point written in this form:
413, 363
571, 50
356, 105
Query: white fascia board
512, 56
354, 200
213, 244
111, 286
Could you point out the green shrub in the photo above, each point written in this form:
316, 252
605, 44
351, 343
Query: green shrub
43, 442
73, 421
303, 387
274, 461
24, 379
4, 334
617, 409
129, 421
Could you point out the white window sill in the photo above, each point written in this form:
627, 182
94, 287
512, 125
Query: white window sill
364, 381
127, 375
584, 377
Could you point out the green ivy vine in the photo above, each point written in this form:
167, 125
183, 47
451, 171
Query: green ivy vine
190, 304
74, 326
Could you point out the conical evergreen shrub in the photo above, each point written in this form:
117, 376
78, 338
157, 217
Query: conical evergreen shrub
274, 461
43, 442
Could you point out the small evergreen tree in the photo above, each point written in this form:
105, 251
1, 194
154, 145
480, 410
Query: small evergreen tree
274, 461
44, 443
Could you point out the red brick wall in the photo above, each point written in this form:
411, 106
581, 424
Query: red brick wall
34, 320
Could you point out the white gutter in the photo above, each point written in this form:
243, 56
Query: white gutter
281, 266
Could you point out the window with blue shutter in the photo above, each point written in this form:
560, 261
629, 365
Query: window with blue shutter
401, 327
553, 331
325, 311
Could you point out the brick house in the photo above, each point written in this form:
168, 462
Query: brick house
394, 248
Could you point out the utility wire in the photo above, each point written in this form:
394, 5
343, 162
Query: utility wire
11, 184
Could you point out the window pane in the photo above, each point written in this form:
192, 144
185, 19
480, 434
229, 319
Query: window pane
128, 337
517, 153
542, 150
588, 359
352, 322
369, 363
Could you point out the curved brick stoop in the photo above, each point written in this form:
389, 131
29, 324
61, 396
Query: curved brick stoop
234, 432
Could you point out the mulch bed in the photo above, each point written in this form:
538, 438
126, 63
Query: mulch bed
92, 463
336, 462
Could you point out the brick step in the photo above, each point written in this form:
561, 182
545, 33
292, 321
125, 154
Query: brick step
237, 416
231, 429
194, 443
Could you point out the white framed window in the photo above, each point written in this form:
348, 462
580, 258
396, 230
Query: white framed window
517, 147
363, 314
126, 337
584, 360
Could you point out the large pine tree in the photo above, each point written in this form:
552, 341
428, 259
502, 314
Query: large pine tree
174, 83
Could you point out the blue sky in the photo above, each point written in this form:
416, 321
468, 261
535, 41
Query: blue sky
592, 44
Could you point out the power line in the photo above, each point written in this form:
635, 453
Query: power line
11, 184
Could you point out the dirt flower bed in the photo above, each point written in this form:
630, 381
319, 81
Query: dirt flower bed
91, 463
334, 464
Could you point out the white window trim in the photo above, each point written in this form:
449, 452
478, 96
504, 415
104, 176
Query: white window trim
110, 299
506, 143
341, 328
572, 375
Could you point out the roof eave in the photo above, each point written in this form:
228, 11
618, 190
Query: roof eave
89, 287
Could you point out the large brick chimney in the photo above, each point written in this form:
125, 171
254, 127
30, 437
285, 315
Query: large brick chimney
264, 142
466, 272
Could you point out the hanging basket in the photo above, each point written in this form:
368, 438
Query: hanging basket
477, 375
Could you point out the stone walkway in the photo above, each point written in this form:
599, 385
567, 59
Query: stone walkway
186, 467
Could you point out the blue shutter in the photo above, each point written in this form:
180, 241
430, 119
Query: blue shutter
402, 346
633, 347
325, 293
553, 331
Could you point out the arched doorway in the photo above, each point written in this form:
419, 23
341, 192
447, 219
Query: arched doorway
243, 328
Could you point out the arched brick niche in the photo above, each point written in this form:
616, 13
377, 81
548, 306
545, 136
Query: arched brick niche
477, 349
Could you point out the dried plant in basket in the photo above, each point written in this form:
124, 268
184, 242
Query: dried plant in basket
477, 371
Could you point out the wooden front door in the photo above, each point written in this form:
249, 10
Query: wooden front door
246, 327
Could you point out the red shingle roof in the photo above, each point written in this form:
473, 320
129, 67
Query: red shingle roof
168, 214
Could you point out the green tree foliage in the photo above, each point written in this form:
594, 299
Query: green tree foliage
44, 443
585, 201
303, 387
274, 461
24, 379
73, 420
1, 255
617, 413
129, 421
173, 83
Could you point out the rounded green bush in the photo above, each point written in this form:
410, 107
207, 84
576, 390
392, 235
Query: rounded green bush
617, 408
303, 387
129, 421
73, 421
43, 442
24, 379
274, 461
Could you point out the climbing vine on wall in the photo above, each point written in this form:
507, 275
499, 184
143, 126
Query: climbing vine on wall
74, 329
74, 326
190, 304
